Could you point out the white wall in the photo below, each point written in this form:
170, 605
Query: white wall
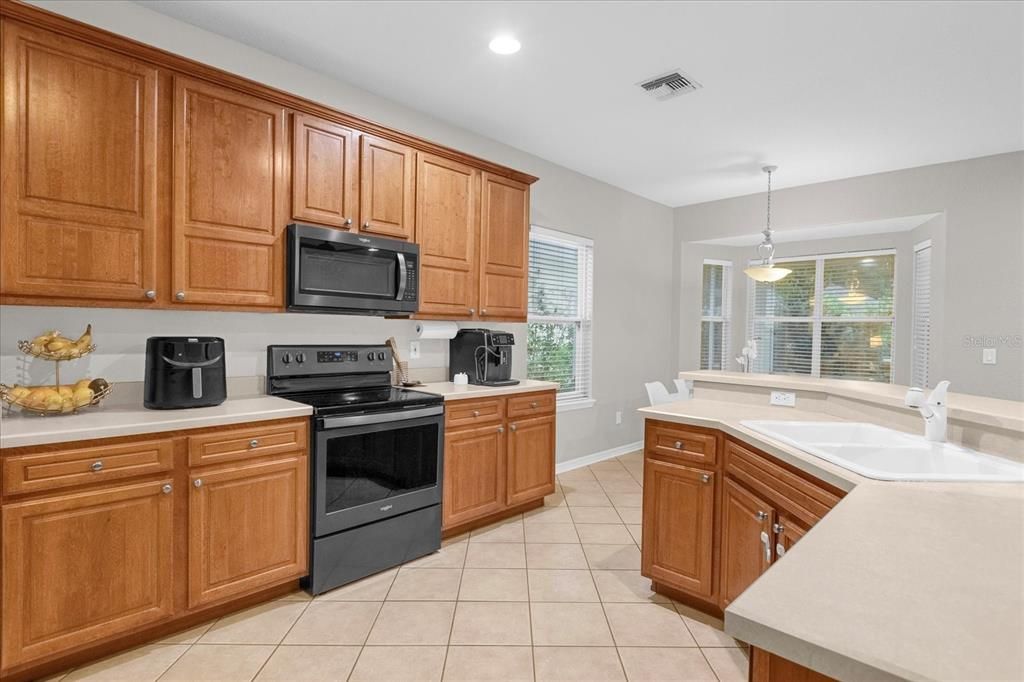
979, 268
635, 312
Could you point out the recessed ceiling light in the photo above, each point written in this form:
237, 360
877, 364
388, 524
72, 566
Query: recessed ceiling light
504, 45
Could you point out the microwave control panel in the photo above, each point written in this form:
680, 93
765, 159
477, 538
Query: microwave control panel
411, 293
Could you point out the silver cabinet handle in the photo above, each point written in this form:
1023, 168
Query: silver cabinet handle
761, 516
484, 311
513, 427
476, 413
348, 222
167, 488
366, 226
198, 483
151, 294
705, 478
97, 466
179, 296
533, 404
767, 547
472, 311
778, 527
679, 445
255, 442
501, 429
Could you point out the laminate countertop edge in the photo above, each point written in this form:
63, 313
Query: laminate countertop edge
452, 391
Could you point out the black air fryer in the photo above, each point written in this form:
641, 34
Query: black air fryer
184, 371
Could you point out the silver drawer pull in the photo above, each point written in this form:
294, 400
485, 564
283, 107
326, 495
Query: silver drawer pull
761, 516
533, 404
513, 427
167, 488
255, 442
151, 294
705, 478
778, 527
476, 413
501, 429
97, 466
679, 445
198, 483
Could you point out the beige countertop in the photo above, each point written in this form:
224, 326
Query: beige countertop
110, 421
901, 580
451, 391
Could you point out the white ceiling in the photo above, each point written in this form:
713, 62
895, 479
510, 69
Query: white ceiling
833, 231
825, 90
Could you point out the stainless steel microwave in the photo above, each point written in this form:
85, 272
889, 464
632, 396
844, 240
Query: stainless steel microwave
333, 271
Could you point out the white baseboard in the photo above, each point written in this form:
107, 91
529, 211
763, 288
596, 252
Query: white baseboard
595, 457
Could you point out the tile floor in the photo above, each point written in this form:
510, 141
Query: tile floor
554, 594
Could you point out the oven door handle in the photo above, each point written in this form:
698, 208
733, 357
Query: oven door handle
382, 418
403, 272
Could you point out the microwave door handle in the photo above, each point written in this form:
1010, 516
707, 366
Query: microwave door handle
403, 271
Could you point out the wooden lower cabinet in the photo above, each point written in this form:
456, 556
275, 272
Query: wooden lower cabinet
746, 539
78, 567
787, 531
531, 443
474, 474
767, 667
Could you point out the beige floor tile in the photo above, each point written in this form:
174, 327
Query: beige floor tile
582, 474
651, 664
297, 595
706, 630
505, 531
587, 499
394, 663
309, 664
555, 500
555, 556
496, 555
637, 456
613, 557
730, 665
455, 539
218, 663
489, 664
547, 515
264, 624
626, 586
449, 556
144, 663
606, 465
581, 486
595, 515
619, 473
489, 622
636, 531
561, 586
494, 584
551, 533
426, 584
618, 487
647, 625
631, 515
190, 636
577, 664
569, 625
334, 622
413, 622
604, 534
621, 500
372, 588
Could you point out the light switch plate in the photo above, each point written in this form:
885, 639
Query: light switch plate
783, 398
988, 356
414, 350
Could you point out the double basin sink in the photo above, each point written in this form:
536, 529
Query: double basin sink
881, 453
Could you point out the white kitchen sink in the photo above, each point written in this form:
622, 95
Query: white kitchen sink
877, 452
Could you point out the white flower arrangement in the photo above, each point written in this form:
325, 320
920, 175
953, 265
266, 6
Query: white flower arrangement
748, 355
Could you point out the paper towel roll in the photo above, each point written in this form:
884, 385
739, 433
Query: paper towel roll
436, 330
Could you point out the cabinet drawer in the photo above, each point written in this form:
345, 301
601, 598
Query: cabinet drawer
81, 466
459, 413
671, 441
228, 445
531, 404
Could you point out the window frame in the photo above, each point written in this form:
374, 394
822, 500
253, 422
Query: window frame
584, 364
725, 318
817, 319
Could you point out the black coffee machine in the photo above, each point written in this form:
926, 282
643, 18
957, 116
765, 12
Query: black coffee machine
485, 355
184, 371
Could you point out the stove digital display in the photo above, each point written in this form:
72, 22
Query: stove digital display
337, 356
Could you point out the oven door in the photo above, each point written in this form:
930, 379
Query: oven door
374, 466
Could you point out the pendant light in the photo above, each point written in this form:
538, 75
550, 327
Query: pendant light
766, 270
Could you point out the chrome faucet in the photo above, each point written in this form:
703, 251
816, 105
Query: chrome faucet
933, 410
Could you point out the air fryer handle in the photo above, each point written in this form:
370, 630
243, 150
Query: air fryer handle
197, 382
191, 365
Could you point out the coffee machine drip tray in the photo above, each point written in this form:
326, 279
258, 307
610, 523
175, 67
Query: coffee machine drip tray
497, 382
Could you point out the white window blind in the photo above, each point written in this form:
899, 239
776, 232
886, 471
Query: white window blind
716, 310
559, 329
921, 323
832, 317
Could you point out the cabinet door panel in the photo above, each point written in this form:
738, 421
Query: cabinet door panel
229, 197
325, 172
505, 233
531, 459
79, 170
447, 225
248, 527
787, 532
387, 177
745, 517
474, 474
678, 526
80, 567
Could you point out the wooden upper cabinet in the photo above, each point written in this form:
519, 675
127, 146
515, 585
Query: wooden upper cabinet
325, 172
531, 459
678, 526
79, 170
504, 244
229, 206
83, 566
387, 176
447, 229
474, 474
746, 539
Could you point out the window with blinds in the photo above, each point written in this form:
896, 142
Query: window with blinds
559, 327
831, 317
921, 322
716, 310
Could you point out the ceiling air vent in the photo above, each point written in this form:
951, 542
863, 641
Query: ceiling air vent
669, 85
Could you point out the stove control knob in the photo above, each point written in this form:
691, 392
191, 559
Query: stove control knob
286, 358
369, 356
300, 357
380, 355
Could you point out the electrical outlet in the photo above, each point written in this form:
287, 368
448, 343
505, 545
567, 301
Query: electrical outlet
988, 356
414, 350
618, 417
783, 398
